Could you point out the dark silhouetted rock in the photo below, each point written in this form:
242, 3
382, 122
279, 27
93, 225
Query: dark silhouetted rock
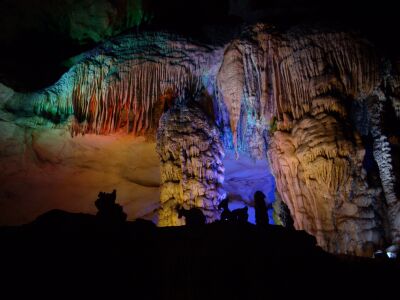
109, 211
193, 216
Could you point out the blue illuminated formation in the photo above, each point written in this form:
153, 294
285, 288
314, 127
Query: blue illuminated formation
245, 176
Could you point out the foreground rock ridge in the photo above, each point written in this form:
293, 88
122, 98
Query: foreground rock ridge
174, 262
321, 104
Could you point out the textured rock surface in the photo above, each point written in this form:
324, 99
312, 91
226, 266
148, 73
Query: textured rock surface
191, 164
382, 154
319, 174
123, 83
43, 167
291, 94
299, 85
282, 73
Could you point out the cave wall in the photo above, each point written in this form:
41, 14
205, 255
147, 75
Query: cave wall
289, 95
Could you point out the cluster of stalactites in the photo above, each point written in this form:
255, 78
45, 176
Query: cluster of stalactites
133, 99
191, 164
311, 65
271, 75
124, 83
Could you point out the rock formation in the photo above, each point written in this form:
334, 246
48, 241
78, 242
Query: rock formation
191, 164
123, 83
318, 170
302, 83
308, 98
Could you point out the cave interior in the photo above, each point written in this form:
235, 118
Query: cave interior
176, 104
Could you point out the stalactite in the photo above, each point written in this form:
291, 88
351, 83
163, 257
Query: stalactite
101, 107
191, 164
231, 83
316, 64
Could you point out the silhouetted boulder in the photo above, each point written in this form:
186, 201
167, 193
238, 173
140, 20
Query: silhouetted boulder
226, 214
109, 211
240, 215
193, 216
261, 209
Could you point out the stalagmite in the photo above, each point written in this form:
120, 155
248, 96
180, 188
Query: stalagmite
191, 164
317, 170
383, 158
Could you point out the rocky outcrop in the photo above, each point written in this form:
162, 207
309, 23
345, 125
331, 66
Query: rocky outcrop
191, 164
319, 174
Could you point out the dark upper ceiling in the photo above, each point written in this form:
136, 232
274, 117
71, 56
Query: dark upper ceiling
38, 36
